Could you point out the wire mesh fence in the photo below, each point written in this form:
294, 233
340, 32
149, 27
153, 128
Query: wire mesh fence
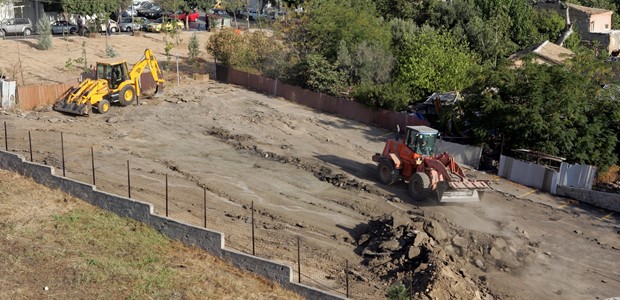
247, 226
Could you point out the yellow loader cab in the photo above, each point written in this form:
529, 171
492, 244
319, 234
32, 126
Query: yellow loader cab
113, 83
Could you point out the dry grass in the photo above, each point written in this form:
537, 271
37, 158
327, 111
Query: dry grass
50, 239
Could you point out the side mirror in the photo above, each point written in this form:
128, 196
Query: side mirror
397, 132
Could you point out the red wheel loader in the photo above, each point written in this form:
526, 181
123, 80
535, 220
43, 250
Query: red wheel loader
429, 175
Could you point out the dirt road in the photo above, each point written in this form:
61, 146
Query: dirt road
310, 174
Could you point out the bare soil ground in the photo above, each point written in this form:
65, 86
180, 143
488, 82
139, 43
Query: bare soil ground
310, 174
56, 246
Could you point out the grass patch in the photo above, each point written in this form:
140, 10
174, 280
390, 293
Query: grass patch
79, 251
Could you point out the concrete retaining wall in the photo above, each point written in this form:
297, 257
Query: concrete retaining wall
604, 200
463, 154
211, 241
528, 174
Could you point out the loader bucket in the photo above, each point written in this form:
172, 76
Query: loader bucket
457, 192
71, 108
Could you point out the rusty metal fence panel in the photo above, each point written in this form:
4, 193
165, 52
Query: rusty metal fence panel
31, 96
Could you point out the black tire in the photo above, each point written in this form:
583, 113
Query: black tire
103, 106
27, 32
419, 186
387, 172
2, 33
129, 29
127, 95
73, 30
113, 30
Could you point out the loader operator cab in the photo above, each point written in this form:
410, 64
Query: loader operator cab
421, 139
115, 73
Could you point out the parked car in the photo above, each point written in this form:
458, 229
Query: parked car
138, 23
60, 27
192, 16
103, 27
167, 25
279, 15
130, 12
251, 13
17, 26
153, 12
219, 12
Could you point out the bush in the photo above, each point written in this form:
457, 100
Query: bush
397, 291
44, 40
611, 175
392, 96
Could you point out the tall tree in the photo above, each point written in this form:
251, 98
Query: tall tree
430, 61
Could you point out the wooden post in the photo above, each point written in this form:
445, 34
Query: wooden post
346, 275
166, 194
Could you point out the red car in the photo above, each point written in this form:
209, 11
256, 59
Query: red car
193, 16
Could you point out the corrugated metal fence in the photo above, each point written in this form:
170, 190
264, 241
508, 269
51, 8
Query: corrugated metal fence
340, 107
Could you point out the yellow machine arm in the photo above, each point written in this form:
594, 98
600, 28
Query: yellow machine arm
147, 61
78, 101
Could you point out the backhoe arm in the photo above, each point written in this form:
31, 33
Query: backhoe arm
148, 61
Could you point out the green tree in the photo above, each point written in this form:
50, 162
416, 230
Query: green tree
44, 39
549, 24
434, 61
352, 21
558, 110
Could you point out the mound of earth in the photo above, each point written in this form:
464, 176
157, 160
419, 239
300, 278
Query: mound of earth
434, 259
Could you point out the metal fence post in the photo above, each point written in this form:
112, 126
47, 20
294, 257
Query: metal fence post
298, 262
6, 138
253, 248
62, 153
205, 205
166, 194
92, 159
30, 145
128, 181
346, 275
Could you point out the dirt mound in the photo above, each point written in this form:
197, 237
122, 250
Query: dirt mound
435, 259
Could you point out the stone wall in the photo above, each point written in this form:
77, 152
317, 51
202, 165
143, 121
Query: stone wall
609, 201
211, 241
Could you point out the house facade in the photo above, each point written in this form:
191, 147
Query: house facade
592, 24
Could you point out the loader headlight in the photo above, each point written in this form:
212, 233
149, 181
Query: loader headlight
418, 161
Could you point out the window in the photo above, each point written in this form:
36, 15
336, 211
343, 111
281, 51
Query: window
591, 26
606, 26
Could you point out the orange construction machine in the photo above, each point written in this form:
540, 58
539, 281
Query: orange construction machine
430, 175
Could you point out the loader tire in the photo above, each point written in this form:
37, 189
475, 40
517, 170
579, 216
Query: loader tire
127, 95
419, 186
388, 174
103, 106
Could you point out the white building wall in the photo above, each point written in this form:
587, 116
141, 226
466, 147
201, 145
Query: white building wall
6, 11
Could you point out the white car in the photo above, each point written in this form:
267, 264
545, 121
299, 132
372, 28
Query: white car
113, 27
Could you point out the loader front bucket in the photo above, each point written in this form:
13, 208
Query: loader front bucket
71, 108
458, 192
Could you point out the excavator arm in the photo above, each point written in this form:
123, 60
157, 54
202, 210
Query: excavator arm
148, 61
80, 100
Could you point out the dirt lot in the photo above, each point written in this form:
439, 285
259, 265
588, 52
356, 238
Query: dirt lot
310, 174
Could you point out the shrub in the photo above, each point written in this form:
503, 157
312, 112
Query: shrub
44, 40
397, 291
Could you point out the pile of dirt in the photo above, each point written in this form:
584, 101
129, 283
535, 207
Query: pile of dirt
435, 259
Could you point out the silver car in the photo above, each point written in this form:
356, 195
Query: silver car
138, 23
17, 26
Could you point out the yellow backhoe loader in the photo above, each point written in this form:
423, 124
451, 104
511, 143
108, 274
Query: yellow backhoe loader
113, 83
